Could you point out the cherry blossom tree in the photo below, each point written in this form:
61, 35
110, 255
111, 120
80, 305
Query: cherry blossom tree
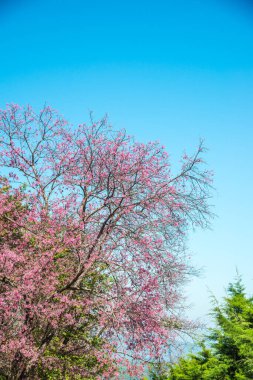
92, 248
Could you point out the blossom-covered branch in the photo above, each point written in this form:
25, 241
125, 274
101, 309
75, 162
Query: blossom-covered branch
92, 259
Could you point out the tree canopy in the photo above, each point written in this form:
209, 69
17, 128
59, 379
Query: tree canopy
92, 252
227, 351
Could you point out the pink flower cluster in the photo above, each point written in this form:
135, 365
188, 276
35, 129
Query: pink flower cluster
92, 239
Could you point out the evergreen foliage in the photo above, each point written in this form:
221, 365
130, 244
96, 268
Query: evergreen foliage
227, 352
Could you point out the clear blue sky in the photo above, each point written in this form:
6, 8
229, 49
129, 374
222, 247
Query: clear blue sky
168, 70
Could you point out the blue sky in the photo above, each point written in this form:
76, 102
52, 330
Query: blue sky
174, 71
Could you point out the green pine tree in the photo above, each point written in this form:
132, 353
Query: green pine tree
227, 351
